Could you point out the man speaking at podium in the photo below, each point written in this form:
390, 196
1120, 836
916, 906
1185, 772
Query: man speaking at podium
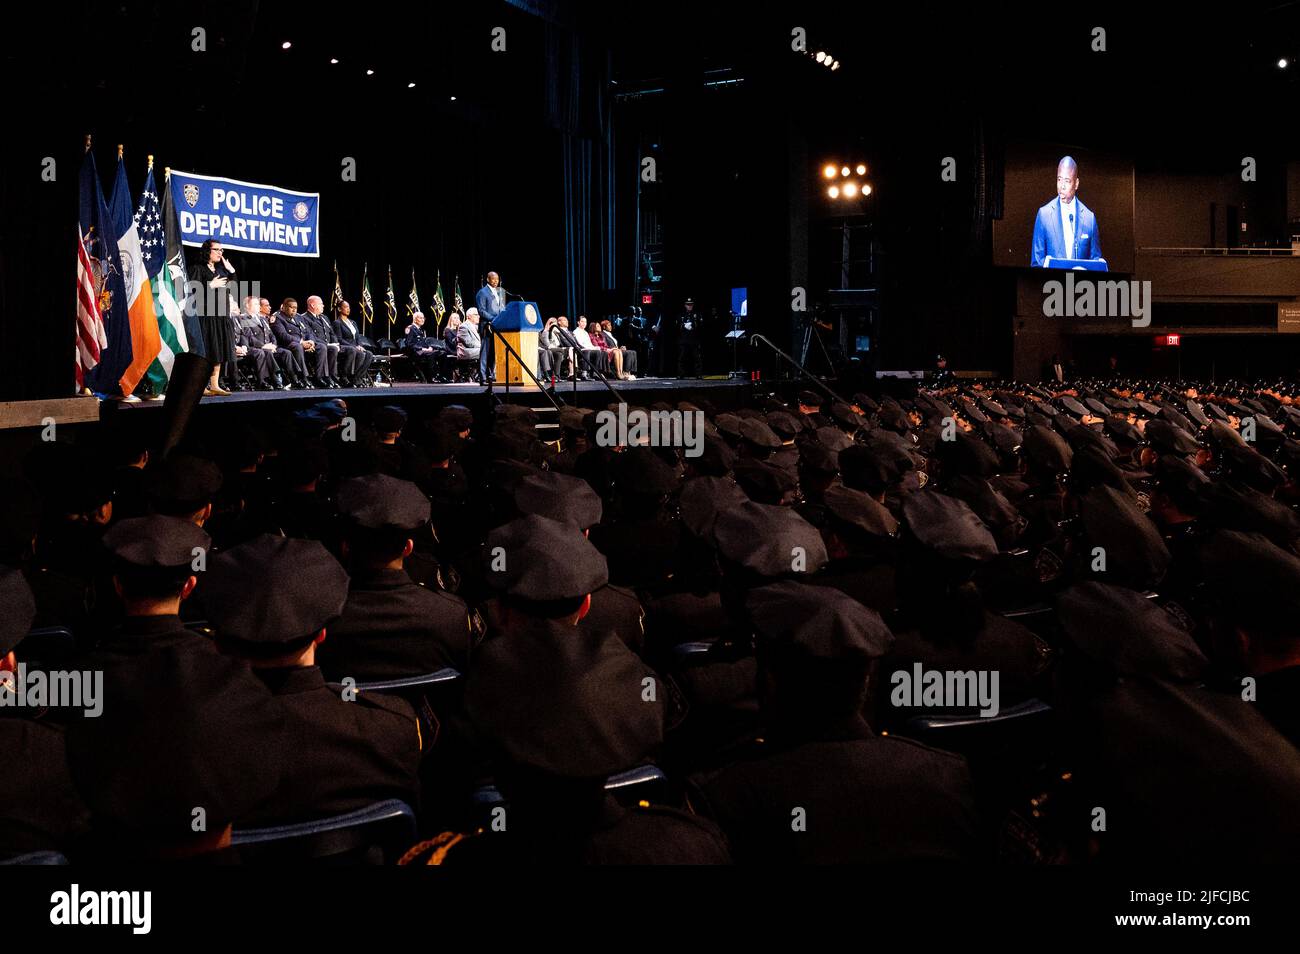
1065, 228
491, 301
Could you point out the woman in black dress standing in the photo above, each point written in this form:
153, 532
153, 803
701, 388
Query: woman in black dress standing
214, 274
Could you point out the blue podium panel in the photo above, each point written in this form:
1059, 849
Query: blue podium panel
519, 316
1078, 264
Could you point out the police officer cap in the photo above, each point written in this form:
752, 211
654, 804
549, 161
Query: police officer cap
272, 591
768, 541
1166, 438
458, 416
834, 438
948, 527
183, 484
558, 496
756, 432
798, 619
156, 541
763, 482
380, 502
860, 511
816, 457
1133, 634
1135, 553
389, 419
640, 470
542, 560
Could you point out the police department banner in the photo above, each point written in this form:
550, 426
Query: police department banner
246, 216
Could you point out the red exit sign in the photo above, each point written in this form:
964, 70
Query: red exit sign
1169, 341
647, 299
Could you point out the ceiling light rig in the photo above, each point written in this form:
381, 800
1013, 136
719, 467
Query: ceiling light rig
845, 180
822, 58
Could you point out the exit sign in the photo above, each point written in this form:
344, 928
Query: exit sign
1169, 341
647, 299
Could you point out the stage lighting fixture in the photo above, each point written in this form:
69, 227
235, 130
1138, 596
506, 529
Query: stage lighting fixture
850, 189
334, 59
1282, 63
829, 172
370, 72
861, 170
821, 57
833, 192
410, 86
866, 190
845, 171
285, 45
835, 66
453, 99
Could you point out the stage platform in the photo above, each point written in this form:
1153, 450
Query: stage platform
585, 394
24, 421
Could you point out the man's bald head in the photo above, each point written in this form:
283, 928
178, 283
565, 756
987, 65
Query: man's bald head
315, 304
1067, 178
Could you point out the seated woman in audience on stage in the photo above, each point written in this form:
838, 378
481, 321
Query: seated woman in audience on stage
451, 333
627, 357
613, 357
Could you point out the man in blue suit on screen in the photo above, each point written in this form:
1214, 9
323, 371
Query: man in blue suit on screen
1065, 227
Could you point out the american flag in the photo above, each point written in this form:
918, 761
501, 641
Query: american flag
91, 339
149, 225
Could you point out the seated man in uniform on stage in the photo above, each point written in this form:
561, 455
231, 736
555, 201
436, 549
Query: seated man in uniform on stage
254, 347
319, 331
292, 334
422, 348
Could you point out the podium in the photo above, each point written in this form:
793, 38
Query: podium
1077, 264
518, 324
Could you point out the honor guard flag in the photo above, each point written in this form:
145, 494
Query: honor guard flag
367, 303
99, 243
439, 309
458, 301
390, 301
166, 287
413, 302
337, 295
146, 344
